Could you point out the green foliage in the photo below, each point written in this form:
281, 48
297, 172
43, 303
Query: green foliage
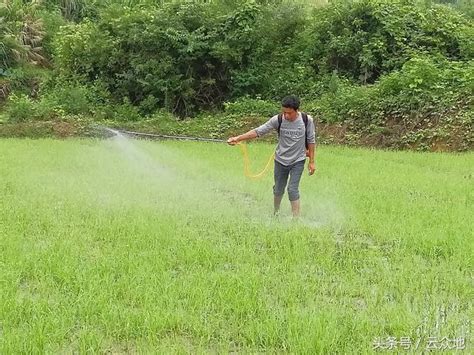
71, 98
58, 99
20, 108
126, 112
81, 49
26, 79
138, 53
249, 106
366, 39
51, 22
361, 62
71, 10
464, 6
10, 48
210, 125
279, 64
350, 102
423, 86
424, 82
21, 34
22, 56
185, 57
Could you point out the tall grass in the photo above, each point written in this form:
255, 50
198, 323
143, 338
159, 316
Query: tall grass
118, 246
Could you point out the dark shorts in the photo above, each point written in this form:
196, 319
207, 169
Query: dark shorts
281, 174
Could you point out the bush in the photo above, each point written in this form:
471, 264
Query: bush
20, 108
27, 79
73, 99
423, 85
170, 53
280, 60
426, 83
187, 57
57, 99
349, 102
249, 106
369, 38
126, 112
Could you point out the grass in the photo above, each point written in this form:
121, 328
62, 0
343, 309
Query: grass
122, 247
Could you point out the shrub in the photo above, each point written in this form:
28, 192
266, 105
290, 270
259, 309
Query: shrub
423, 85
20, 108
249, 106
366, 39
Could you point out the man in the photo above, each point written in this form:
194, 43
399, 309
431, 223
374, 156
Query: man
291, 153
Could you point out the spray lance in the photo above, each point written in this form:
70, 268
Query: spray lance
243, 147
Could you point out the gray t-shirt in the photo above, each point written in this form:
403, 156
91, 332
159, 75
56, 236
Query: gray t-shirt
291, 146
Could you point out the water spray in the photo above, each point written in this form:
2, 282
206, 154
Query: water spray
243, 146
163, 136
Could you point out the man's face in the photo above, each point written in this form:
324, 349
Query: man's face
289, 113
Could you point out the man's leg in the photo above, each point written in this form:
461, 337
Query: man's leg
276, 204
280, 175
293, 187
295, 208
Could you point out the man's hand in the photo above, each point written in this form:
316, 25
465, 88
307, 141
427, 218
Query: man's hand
233, 140
311, 168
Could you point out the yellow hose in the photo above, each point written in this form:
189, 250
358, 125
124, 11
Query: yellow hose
245, 155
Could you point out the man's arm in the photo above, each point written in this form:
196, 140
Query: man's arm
243, 137
311, 154
311, 137
268, 126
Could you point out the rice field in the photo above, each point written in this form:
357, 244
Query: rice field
120, 246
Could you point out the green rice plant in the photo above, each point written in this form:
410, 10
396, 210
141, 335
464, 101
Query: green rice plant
135, 246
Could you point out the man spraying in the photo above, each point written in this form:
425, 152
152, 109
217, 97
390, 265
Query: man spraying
296, 141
